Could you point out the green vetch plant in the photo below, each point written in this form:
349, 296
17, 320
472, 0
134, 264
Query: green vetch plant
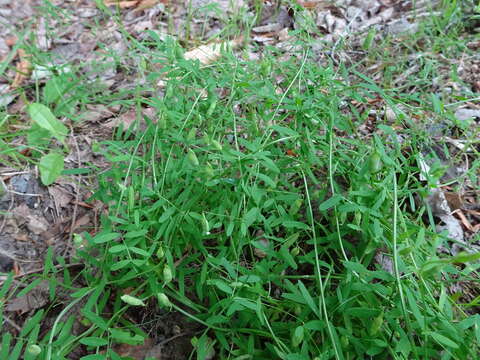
263, 225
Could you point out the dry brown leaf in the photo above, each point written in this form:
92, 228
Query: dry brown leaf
455, 200
60, 196
121, 4
137, 352
146, 4
37, 224
11, 40
473, 212
206, 54
309, 4
23, 69
463, 219
34, 299
84, 220
129, 117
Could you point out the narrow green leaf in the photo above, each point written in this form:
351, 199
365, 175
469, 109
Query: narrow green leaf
308, 298
251, 216
5, 348
221, 285
443, 340
116, 249
126, 337
119, 265
93, 357
31, 323
29, 287
105, 237
327, 204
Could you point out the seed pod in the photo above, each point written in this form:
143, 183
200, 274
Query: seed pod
298, 335
209, 171
295, 251
205, 225
160, 252
162, 122
77, 241
376, 324
163, 300
192, 134
178, 52
192, 158
85, 322
212, 107
34, 349
375, 163
216, 144
295, 207
131, 300
167, 274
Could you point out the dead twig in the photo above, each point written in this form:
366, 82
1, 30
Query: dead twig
11, 323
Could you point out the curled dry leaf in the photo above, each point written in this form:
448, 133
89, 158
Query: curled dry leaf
463, 219
6, 96
309, 4
146, 4
206, 54
23, 69
139, 4
36, 298
11, 40
121, 4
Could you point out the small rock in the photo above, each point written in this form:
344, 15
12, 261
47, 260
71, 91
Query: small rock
6, 264
402, 26
37, 225
467, 114
259, 252
390, 115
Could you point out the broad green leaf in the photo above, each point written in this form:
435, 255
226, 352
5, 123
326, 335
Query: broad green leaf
51, 166
55, 89
45, 119
298, 336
